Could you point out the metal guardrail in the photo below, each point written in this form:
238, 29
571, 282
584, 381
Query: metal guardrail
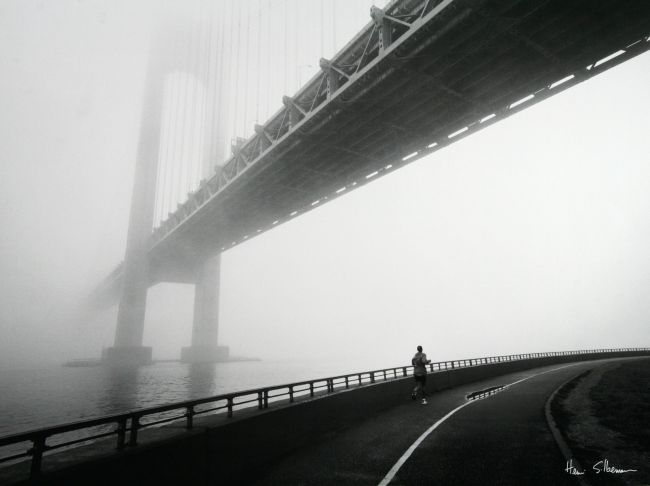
125, 426
479, 395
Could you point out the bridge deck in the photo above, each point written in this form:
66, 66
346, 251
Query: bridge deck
448, 67
462, 63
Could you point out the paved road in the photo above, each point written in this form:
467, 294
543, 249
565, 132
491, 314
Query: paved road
501, 440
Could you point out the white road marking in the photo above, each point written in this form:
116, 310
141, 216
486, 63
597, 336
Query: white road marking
400, 462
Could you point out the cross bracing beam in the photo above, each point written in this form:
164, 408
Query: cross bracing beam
457, 67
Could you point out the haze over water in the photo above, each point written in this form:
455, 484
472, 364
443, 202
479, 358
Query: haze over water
37, 396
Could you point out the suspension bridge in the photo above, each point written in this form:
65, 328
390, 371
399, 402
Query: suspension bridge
420, 75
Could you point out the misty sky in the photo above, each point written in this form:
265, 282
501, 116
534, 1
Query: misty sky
531, 235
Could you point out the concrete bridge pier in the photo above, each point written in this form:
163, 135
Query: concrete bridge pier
205, 348
128, 349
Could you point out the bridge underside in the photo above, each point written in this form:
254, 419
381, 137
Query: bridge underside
448, 72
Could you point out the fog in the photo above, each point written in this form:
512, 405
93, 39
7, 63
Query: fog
530, 235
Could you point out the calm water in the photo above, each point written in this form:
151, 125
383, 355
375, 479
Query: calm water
39, 397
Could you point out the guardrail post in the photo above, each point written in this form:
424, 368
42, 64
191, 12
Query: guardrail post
347, 383
260, 403
229, 405
135, 425
190, 417
37, 456
311, 388
266, 399
291, 393
372, 377
121, 434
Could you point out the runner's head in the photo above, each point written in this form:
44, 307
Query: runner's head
419, 349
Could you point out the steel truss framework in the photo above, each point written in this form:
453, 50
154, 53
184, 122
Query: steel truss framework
421, 75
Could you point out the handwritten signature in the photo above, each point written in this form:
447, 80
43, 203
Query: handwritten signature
599, 467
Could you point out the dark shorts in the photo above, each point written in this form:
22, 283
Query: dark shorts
420, 379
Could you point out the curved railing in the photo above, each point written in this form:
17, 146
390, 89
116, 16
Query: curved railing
125, 426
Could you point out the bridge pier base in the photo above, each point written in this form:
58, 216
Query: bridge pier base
204, 354
127, 356
205, 329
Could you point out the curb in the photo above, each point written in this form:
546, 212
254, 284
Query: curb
557, 435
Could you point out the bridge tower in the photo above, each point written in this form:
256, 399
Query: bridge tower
128, 346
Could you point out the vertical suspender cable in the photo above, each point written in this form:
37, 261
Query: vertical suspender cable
218, 106
175, 128
322, 30
180, 125
187, 168
178, 129
201, 82
228, 83
237, 63
163, 153
237, 66
161, 140
296, 44
247, 67
167, 139
333, 27
185, 108
221, 106
296, 37
267, 72
207, 127
193, 108
199, 98
258, 70
286, 44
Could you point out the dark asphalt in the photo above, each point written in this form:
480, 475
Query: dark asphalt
500, 440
